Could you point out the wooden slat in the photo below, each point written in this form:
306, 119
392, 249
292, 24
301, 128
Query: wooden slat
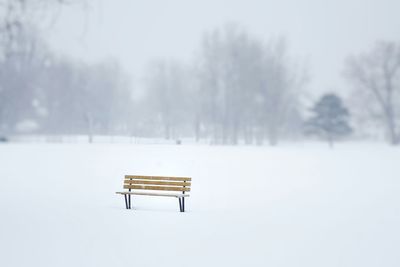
153, 194
163, 188
153, 182
168, 178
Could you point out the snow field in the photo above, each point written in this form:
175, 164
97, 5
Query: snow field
293, 205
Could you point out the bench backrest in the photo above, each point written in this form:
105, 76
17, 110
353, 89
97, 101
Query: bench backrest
162, 183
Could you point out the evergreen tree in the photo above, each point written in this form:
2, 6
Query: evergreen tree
330, 119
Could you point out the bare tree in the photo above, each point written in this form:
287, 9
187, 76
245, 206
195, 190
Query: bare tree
20, 75
248, 88
167, 96
15, 15
378, 74
280, 90
86, 99
22, 55
229, 65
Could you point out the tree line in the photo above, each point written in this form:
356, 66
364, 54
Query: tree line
237, 88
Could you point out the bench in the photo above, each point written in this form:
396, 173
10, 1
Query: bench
156, 186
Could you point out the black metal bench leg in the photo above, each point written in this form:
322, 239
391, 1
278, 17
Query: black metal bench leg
180, 204
129, 201
126, 201
183, 204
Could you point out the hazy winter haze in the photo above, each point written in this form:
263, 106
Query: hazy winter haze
320, 33
240, 70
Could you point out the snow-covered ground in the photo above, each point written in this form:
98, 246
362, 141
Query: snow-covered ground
292, 205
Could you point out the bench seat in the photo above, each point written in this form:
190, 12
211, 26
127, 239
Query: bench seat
153, 194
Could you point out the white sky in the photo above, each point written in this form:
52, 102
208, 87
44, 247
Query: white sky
321, 33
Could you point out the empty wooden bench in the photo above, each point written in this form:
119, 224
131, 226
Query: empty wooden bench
156, 186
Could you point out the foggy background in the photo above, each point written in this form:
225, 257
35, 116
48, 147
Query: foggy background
225, 72
244, 97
